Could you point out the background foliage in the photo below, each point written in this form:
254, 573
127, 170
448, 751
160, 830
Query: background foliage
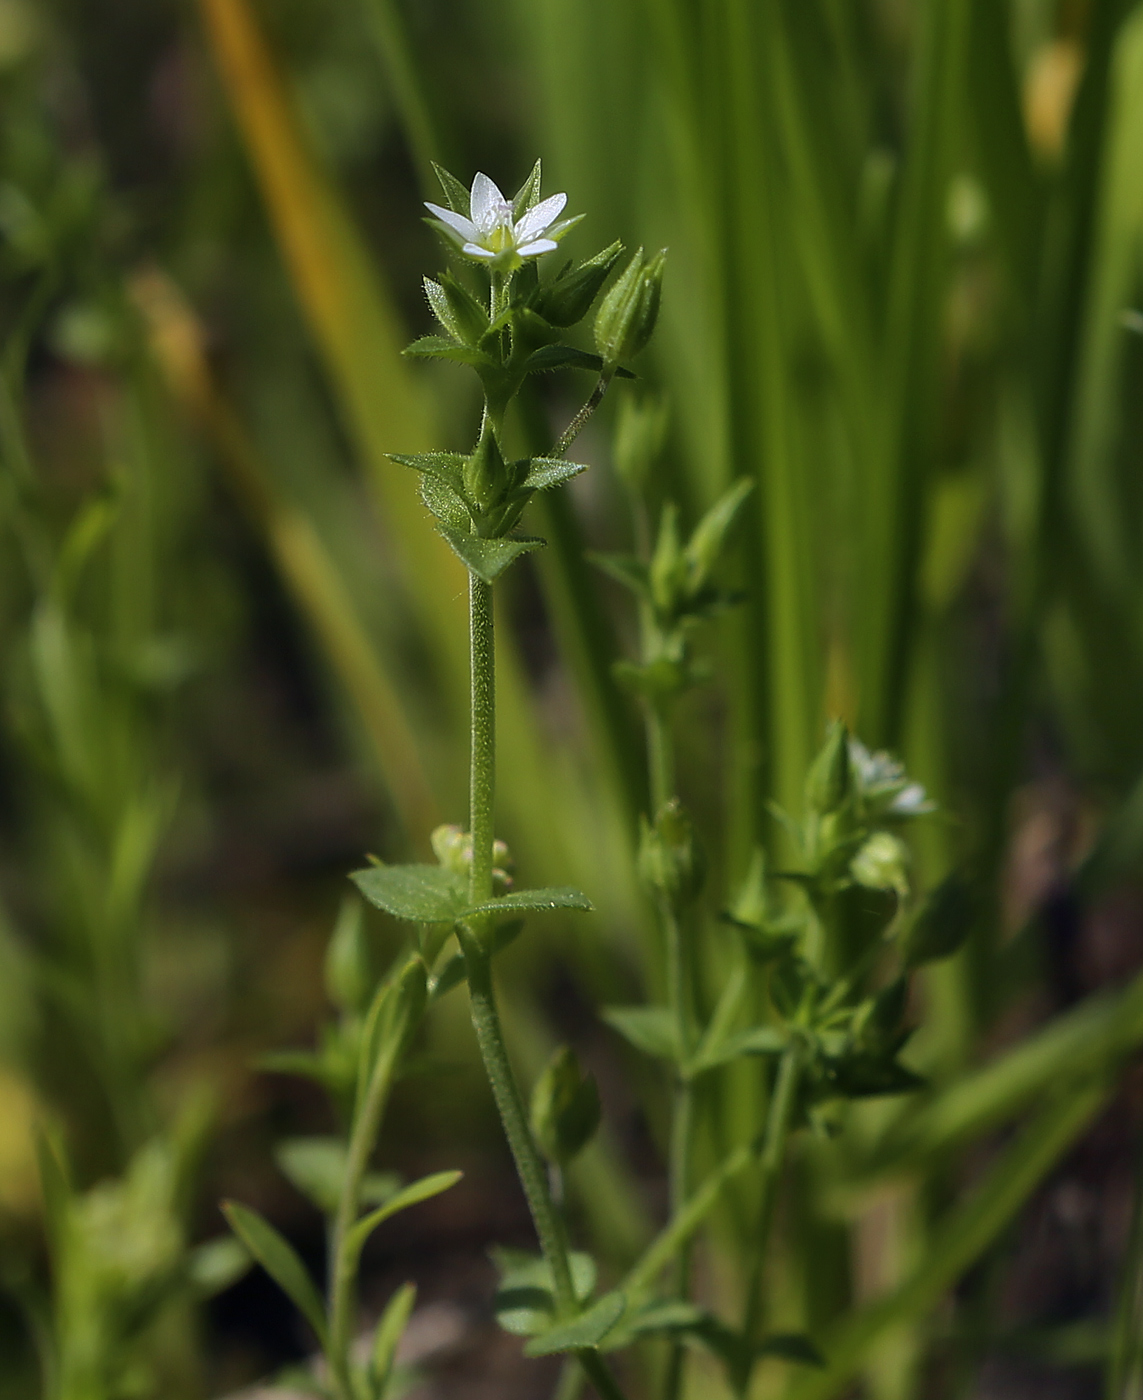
903, 296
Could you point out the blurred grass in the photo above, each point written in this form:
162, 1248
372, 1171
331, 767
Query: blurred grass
900, 261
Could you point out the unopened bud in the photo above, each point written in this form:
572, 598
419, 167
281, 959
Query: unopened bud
666, 575
670, 859
486, 474
565, 1108
882, 863
567, 299
628, 312
829, 780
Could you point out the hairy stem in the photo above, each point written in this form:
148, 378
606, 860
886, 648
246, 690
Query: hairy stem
576, 426
482, 769
529, 1165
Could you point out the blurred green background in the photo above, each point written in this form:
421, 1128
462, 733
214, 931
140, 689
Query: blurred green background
903, 295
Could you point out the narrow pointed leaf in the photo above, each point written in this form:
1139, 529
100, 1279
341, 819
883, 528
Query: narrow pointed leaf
280, 1260
411, 1195
587, 1330
455, 194
444, 466
390, 1329
545, 472
488, 559
649, 1028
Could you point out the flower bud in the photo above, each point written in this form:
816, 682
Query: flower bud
568, 297
628, 312
666, 575
486, 474
829, 780
349, 976
452, 847
670, 859
565, 1108
882, 863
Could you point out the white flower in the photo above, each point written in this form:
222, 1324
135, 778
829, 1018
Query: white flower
494, 235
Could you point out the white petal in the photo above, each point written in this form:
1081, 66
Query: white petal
457, 222
535, 248
485, 203
536, 220
474, 250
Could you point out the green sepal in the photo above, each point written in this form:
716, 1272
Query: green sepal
587, 1330
533, 901
455, 195
650, 1029
423, 894
488, 559
411, 1195
528, 195
280, 1260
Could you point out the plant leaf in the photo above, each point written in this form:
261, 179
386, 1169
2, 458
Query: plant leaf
587, 1330
214, 1266
552, 357
545, 472
649, 1028
488, 559
425, 894
536, 901
280, 1260
437, 347
390, 1328
455, 194
791, 1346
761, 1040
445, 466
316, 1166
411, 1195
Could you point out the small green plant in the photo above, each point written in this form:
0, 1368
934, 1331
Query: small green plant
822, 950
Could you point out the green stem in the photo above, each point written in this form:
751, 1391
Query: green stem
506, 1092
595, 1369
773, 1152
482, 770
682, 1123
660, 757
576, 426
343, 1299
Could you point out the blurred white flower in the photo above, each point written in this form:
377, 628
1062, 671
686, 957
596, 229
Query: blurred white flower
492, 234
